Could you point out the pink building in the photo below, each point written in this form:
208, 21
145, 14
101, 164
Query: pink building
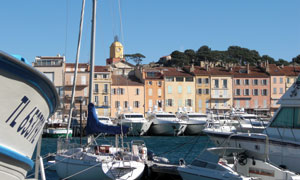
251, 89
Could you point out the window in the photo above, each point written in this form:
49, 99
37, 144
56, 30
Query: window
237, 92
179, 102
281, 91
136, 104
149, 92
200, 103
216, 83
96, 100
188, 102
207, 104
224, 83
274, 90
170, 89
159, 92
105, 76
199, 81
106, 100
117, 104
96, 88
83, 80
169, 102
150, 74
169, 79
179, 79
150, 83
255, 92
237, 82
264, 82
189, 79
285, 117
159, 83
206, 81
125, 104
189, 90
247, 104
120, 91
179, 89
246, 92
255, 82
206, 91
281, 80
274, 80
105, 90
246, 82
199, 91
113, 91
150, 103
264, 92
288, 80
137, 91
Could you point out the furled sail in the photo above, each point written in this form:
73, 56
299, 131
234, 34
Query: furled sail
94, 126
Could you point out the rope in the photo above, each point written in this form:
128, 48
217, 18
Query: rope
186, 155
82, 171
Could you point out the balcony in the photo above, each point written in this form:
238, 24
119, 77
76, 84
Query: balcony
220, 96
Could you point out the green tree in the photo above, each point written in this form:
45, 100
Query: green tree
137, 57
268, 58
282, 62
296, 59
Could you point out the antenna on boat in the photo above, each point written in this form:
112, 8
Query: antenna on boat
76, 67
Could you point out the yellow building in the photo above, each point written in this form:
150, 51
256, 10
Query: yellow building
202, 88
179, 90
102, 85
291, 74
221, 89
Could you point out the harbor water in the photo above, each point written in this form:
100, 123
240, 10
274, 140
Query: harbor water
172, 148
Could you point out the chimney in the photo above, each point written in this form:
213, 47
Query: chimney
248, 68
206, 67
267, 66
282, 66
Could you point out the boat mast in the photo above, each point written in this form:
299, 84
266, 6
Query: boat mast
76, 67
92, 60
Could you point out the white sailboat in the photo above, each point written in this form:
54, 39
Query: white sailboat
28, 99
98, 162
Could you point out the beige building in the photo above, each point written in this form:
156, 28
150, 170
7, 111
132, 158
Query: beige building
127, 94
53, 67
81, 89
291, 74
221, 89
101, 94
179, 90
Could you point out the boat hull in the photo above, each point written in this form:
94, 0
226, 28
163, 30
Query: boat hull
166, 129
55, 133
194, 129
68, 167
123, 170
28, 98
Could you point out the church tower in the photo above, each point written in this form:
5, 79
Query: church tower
116, 52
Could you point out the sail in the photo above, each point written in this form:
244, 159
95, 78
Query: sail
94, 126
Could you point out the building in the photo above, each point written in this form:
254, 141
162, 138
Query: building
154, 88
81, 88
53, 67
277, 86
102, 84
221, 89
291, 74
251, 89
127, 94
179, 89
202, 87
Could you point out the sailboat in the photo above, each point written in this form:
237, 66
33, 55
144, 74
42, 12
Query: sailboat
93, 161
28, 99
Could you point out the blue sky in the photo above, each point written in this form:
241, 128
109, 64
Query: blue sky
153, 28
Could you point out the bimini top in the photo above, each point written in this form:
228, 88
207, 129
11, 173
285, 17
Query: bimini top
292, 95
94, 126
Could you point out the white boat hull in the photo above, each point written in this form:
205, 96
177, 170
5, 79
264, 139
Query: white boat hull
123, 170
194, 129
28, 98
167, 129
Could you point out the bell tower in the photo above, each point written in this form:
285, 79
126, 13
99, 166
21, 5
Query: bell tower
116, 52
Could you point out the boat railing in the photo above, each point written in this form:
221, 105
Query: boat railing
267, 143
64, 145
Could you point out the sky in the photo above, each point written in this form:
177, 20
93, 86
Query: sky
154, 28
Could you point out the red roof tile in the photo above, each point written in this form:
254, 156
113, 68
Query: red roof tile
291, 71
101, 69
119, 80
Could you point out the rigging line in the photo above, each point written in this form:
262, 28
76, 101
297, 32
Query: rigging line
113, 17
121, 24
67, 23
82, 171
190, 150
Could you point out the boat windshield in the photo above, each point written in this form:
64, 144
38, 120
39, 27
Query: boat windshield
134, 116
287, 117
103, 119
165, 116
197, 116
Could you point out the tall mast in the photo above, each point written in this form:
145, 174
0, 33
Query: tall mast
76, 67
92, 60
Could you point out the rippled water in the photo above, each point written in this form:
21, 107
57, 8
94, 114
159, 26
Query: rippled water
173, 148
